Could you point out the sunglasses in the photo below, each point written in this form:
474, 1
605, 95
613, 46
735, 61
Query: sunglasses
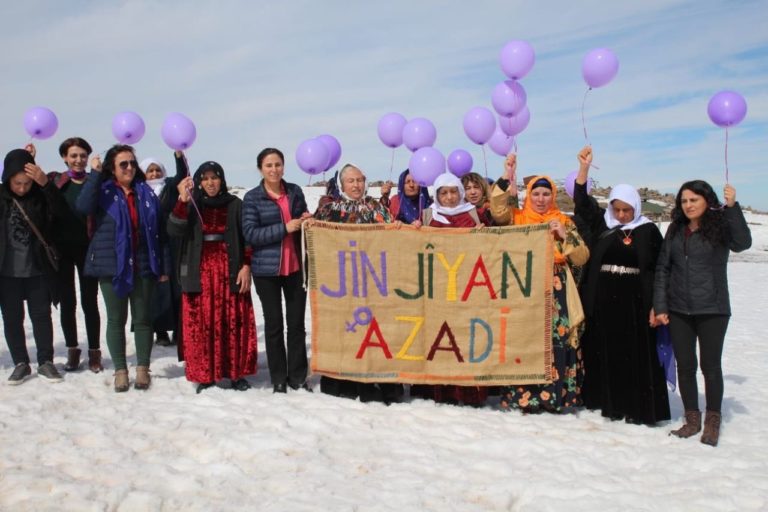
124, 164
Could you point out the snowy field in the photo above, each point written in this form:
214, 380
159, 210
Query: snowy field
80, 446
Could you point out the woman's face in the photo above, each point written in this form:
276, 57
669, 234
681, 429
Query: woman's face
541, 199
154, 172
272, 168
473, 192
20, 184
448, 196
76, 158
125, 168
622, 212
353, 183
693, 205
210, 183
410, 187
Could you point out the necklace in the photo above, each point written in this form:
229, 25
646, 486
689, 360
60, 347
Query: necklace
627, 240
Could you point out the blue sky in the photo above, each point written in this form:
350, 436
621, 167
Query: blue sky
258, 74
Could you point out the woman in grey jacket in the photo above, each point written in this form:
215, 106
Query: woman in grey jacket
691, 294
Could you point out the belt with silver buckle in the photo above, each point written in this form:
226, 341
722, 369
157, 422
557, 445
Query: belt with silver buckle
618, 269
213, 237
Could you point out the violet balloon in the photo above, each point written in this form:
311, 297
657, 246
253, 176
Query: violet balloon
479, 124
425, 165
599, 67
570, 182
727, 108
390, 129
312, 156
40, 123
459, 162
516, 59
508, 98
501, 143
178, 131
419, 133
128, 127
516, 124
333, 147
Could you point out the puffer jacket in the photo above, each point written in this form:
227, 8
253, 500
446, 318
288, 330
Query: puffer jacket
264, 229
691, 274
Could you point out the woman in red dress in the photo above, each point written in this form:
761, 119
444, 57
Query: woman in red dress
218, 327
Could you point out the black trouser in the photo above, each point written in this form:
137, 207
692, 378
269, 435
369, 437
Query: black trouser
71, 257
293, 368
710, 331
13, 292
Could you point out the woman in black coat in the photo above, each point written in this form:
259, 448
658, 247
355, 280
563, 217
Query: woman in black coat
623, 376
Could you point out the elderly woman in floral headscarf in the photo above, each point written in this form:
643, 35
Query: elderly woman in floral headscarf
540, 207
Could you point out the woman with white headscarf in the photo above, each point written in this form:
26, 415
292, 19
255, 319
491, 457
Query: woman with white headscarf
623, 375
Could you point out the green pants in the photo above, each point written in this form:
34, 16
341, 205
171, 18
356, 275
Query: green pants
117, 316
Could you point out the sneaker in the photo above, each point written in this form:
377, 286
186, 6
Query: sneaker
49, 372
19, 374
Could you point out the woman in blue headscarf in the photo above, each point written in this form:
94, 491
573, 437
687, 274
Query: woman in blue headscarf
410, 201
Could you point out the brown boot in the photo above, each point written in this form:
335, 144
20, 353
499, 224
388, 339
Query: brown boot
142, 378
73, 359
711, 428
94, 360
691, 427
121, 381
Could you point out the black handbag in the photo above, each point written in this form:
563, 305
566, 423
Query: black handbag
50, 251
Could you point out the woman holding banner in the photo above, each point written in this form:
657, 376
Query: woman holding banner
623, 376
540, 207
355, 207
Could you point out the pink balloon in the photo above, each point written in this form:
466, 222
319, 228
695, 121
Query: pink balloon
516, 59
501, 143
312, 156
727, 108
599, 67
570, 182
178, 131
425, 165
419, 133
333, 147
459, 162
390, 129
40, 123
508, 98
128, 127
479, 124
516, 124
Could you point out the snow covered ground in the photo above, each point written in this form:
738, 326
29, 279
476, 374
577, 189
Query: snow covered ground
79, 446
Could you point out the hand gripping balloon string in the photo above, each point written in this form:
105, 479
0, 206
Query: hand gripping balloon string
584, 124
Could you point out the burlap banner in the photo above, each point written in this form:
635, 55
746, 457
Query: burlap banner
441, 306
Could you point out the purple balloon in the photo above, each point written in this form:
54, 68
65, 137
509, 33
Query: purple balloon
599, 67
479, 124
516, 124
508, 98
312, 156
426, 165
419, 133
570, 181
501, 143
516, 59
128, 127
40, 123
727, 108
459, 162
333, 147
390, 129
178, 131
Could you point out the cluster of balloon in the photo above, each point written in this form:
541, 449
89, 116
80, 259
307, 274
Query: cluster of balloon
128, 127
315, 156
418, 135
40, 123
726, 109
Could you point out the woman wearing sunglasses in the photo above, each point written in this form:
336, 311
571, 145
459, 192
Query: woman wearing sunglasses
128, 254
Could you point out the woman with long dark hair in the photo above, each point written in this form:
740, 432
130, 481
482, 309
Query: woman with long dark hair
691, 295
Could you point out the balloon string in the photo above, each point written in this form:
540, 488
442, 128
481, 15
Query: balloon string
485, 161
584, 123
392, 164
726, 156
190, 189
309, 182
514, 144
